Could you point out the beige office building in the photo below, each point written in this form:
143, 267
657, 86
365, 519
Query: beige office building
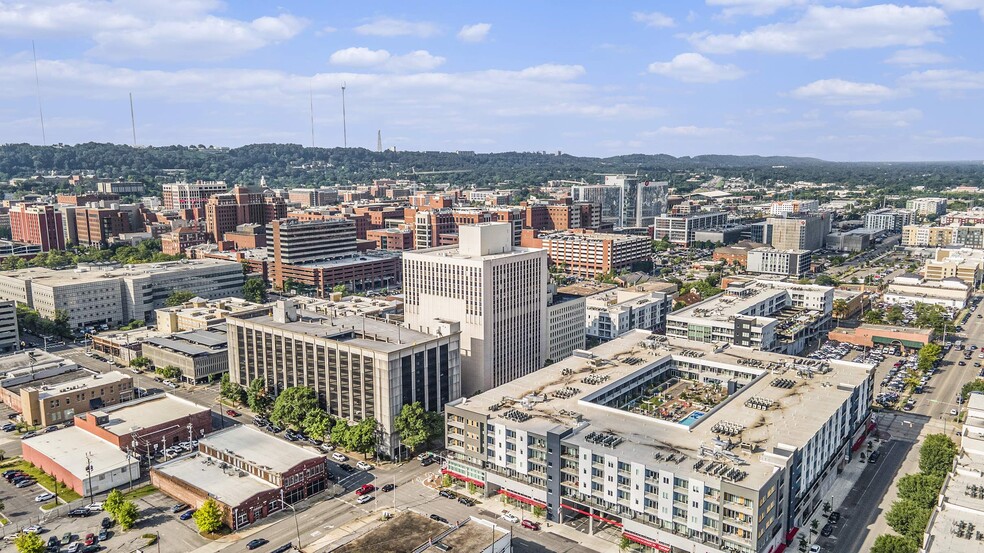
498, 292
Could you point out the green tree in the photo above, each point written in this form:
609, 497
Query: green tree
340, 289
178, 297
127, 515
231, 391
255, 290
923, 489
257, 397
908, 518
890, 543
894, 315
317, 424
113, 502
974, 386
136, 323
208, 517
140, 362
340, 433
874, 316
29, 543
936, 455
414, 426
362, 437
293, 404
169, 371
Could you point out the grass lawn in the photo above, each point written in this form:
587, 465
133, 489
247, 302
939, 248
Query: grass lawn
137, 493
65, 493
4, 521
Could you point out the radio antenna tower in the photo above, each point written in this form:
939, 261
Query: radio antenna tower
344, 128
312, 117
37, 88
379, 141
133, 122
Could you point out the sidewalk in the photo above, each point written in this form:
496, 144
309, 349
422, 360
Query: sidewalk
595, 542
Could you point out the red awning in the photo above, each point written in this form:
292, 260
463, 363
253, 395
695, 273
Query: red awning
463, 478
647, 542
522, 498
596, 517
872, 425
781, 548
791, 534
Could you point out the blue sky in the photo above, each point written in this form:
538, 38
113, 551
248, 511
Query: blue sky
840, 80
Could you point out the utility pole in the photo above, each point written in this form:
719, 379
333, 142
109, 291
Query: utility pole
133, 122
88, 472
344, 126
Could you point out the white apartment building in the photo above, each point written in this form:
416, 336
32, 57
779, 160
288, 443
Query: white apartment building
565, 326
925, 207
93, 296
782, 208
190, 195
888, 219
759, 314
615, 312
586, 437
770, 261
9, 332
681, 229
496, 291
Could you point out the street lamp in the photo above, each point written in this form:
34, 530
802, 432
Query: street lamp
296, 527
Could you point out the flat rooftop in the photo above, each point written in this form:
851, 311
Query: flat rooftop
258, 447
739, 298
408, 531
358, 330
352, 259
146, 412
811, 393
224, 484
586, 288
80, 382
69, 446
193, 342
30, 359
129, 336
41, 275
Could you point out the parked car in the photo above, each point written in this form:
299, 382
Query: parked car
827, 530
834, 517
258, 542
467, 501
339, 457
90, 538
103, 534
388, 487
439, 518
366, 488
427, 461
510, 517
26, 483
363, 465
530, 524
66, 538
79, 512
34, 529
283, 548
448, 494
232, 412
187, 515
364, 499
95, 507
106, 523
953, 412
179, 507
47, 496
9, 427
73, 547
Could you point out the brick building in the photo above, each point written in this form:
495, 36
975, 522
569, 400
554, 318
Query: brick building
179, 240
250, 474
241, 205
149, 424
94, 226
37, 224
392, 238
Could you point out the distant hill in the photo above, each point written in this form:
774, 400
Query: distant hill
295, 165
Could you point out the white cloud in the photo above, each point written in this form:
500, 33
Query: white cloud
959, 5
825, 29
884, 118
418, 60
388, 26
553, 71
841, 92
695, 68
359, 57
916, 56
474, 33
945, 80
753, 7
208, 38
653, 19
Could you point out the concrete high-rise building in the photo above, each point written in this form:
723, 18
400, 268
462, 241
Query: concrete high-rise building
497, 291
926, 207
888, 219
802, 232
37, 224
190, 195
770, 261
224, 212
681, 229
359, 367
9, 331
789, 207
290, 241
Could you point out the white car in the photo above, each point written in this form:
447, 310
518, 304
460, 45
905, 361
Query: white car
511, 518
953, 412
363, 465
97, 506
364, 499
34, 529
47, 496
339, 457
814, 549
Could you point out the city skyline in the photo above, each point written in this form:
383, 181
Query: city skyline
842, 81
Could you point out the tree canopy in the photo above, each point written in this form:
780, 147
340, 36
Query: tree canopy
923, 489
317, 424
29, 543
208, 517
257, 397
178, 297
292, 406
936, 454
909, 519
255, 290
416, 426
890, 543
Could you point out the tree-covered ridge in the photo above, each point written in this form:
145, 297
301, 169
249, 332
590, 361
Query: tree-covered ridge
295, 165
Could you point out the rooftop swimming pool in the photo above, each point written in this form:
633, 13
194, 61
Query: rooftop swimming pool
692, 418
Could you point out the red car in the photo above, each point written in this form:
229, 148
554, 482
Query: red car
530, 524
232, 413
90, 538
366, 488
